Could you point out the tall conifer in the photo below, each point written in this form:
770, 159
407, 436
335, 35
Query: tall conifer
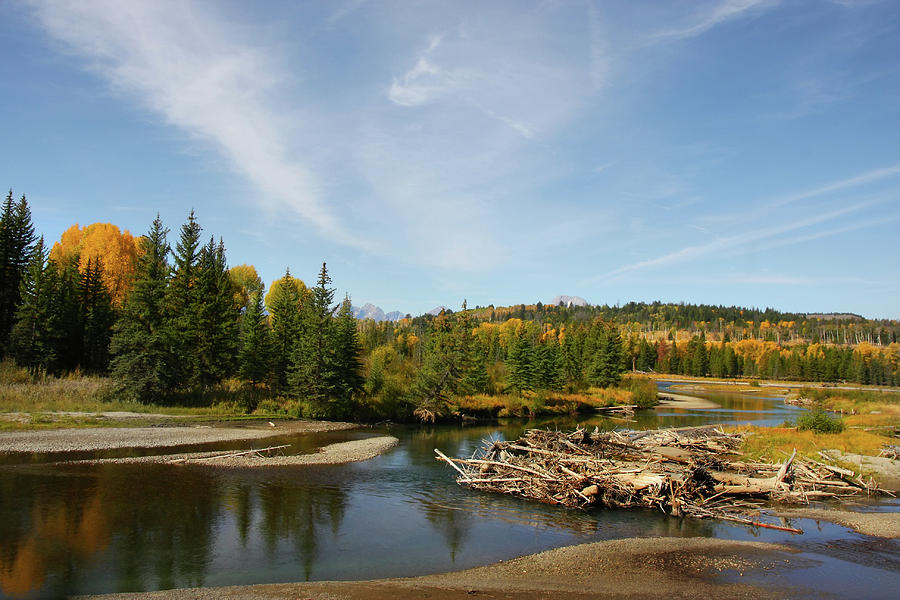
142, 341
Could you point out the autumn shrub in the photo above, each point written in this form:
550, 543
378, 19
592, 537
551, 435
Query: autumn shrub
820, 422
10, 372
643, 391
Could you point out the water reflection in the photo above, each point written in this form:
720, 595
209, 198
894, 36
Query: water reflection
91, 529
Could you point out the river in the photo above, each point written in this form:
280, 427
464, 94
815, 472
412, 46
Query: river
111, 527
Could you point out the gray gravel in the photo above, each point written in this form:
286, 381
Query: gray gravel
332, 454
74, 440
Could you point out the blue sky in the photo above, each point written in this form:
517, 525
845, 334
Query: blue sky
726, 152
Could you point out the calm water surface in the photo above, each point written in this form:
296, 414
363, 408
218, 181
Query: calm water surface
106, 528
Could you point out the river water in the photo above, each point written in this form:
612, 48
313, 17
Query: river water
110, 528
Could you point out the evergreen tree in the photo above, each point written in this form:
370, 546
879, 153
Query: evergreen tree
217, 310
284, 308
184, 304
312, 372
98, 318
255, 357
605, 366
443, 366
347, 367
520, 366
548, 373
17, 240
67, 305
34, 339
142, 341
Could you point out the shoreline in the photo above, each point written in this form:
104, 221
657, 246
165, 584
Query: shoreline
688, 568
114, 438
331, 454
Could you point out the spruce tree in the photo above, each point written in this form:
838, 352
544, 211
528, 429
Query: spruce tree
17, 240
348, 376
548, 372
605, 365
98, 317
142, 343
34, 339
255, 359
520, 366
217, 311
284, 309
312, 372
183, 299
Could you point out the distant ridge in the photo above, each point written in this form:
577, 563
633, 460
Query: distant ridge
569, 301
835, 316
370, 311
436, 310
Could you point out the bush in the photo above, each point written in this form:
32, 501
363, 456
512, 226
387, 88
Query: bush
643, 391
820, 422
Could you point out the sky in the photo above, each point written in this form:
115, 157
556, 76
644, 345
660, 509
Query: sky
736, 152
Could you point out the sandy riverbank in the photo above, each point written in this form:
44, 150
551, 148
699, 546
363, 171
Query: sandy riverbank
671, 400
880, 524
107, 438
668, 568
332, 454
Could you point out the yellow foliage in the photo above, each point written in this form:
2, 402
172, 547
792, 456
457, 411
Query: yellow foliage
246, 282
116, 250
275, 287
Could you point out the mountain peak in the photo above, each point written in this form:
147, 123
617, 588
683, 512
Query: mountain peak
569, 301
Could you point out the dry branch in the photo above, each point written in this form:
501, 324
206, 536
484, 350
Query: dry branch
694, 472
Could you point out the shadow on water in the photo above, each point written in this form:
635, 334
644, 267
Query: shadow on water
107, 528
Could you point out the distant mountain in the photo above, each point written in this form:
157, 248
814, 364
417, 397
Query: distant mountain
569, 301
370, 311
436, 310
835, 316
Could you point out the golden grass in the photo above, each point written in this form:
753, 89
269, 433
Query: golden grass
773, 444
533, 404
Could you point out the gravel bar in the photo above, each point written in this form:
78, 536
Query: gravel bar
107, 438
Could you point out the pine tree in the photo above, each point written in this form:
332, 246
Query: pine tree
34, 339
348, 376
605, 365
255, 357
142, 341
520, 366
17, 240
311, 374
284, 308
548, 373
98, 318
67, 306
184, 303
217, 313
441, 371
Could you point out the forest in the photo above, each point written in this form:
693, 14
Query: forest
175, 325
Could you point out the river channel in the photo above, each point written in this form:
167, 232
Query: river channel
76, 529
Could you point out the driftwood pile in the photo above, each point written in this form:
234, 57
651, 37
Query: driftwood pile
695, 472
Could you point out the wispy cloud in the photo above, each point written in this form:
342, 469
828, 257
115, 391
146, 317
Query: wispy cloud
782, 279
747, 241
709, 17
836, 186
192, 69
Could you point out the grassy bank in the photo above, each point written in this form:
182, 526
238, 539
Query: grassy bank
40, 402
634, 391
852, 421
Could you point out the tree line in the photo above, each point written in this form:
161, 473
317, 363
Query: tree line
178, 325
185, 324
